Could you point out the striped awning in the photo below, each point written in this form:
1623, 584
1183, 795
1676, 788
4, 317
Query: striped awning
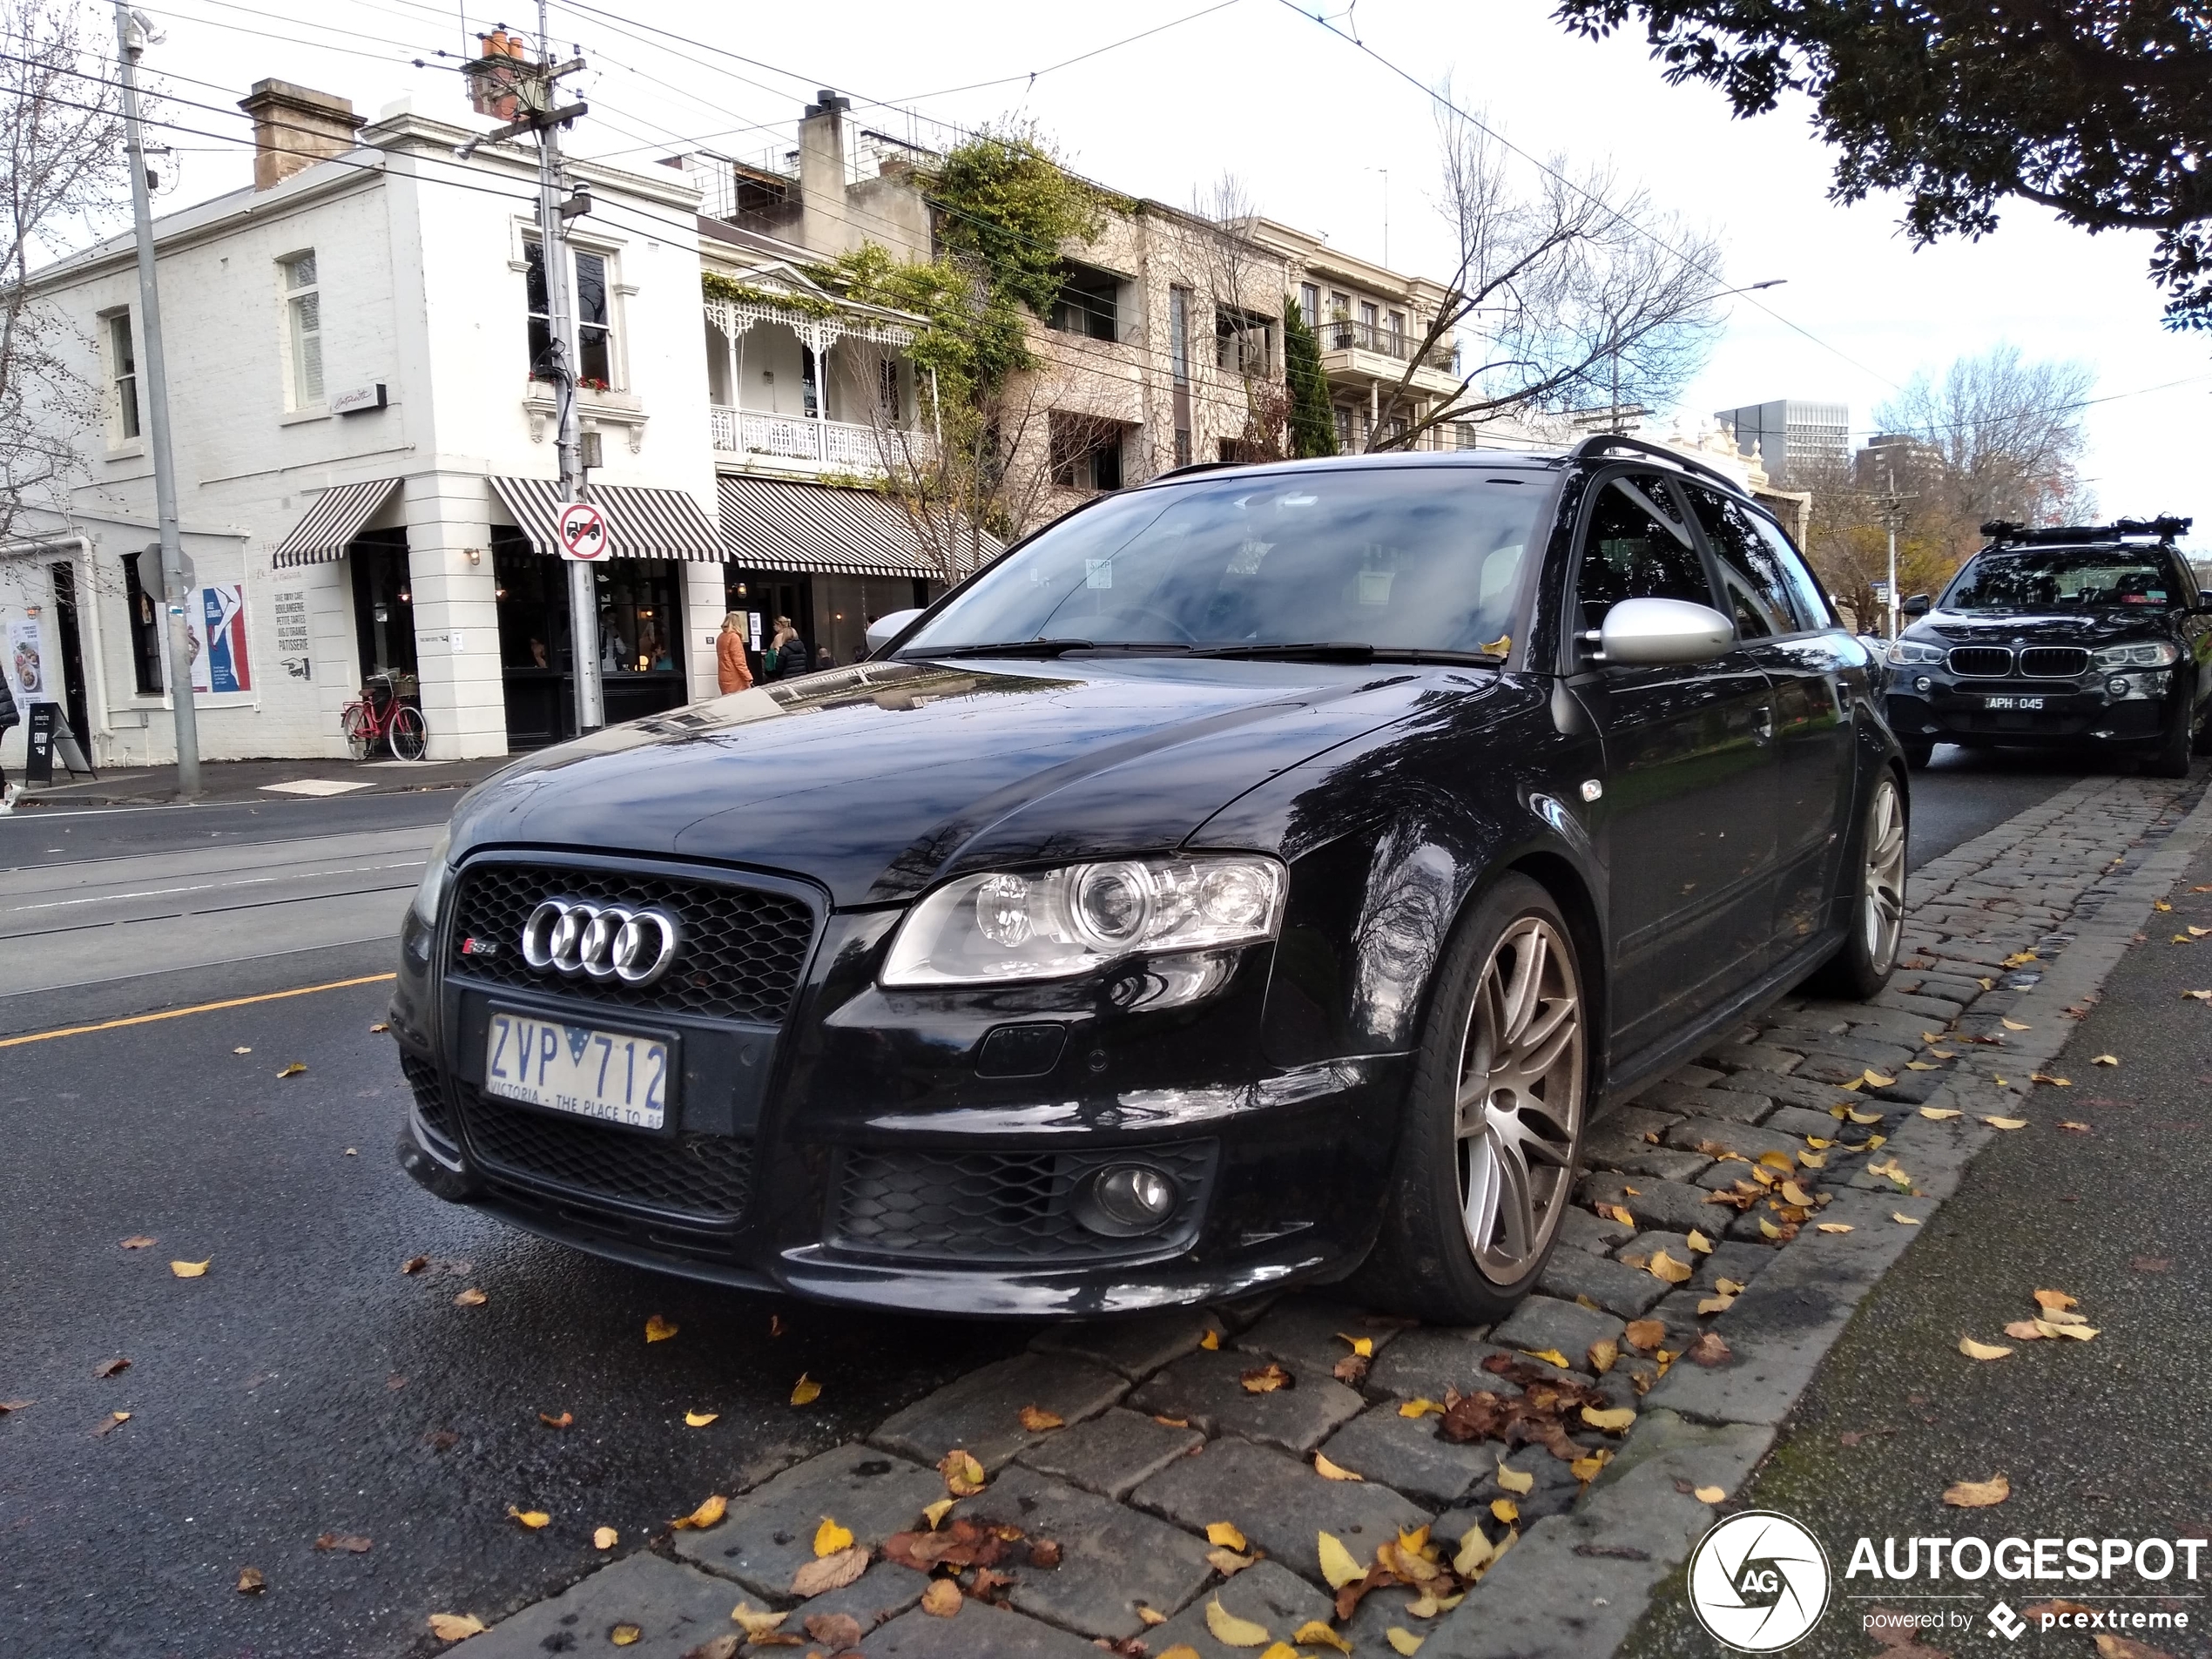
825, 530
641, 523
333, 523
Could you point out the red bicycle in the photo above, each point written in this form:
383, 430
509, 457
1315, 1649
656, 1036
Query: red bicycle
380, 714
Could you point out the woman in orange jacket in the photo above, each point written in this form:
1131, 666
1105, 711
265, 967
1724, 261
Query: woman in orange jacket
731, 672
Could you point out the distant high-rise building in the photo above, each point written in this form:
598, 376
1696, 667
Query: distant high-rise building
1790, 438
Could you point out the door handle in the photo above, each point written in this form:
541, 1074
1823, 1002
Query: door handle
1766, 723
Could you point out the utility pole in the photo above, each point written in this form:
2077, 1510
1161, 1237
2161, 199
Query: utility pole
133, 32
1893, 510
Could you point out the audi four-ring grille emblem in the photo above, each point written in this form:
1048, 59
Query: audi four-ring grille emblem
578, 936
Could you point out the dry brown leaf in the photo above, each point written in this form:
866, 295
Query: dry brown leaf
352, 1543
1153, 1616
138, 1241
566, 1420
658, 1329
536, 1520
2025, 1330
806, 1391
963, 1474
1616, 1212
1903, 1220
109, 1367
415, 1264
829, 1538
1267, 1379
293, 1068
1037, 1419
1974, 1350
604, 1538
699, 1419
471, 1298
1231, 1631
722, 1647
625, 1635
755, 1622
1329, 1471
1710, 1494
1603, 1355
1831, 1227
1184, 1422
2074, 1128
1352, 1369
1646, 1334
2005, 1122
1977, 1494
451, 1626
190, 1270
2055, 1301
835, 1631
705, 1515
1709, 1350
828, 1573
108, 1424
943, 1599
2111, 1647
2106, 1060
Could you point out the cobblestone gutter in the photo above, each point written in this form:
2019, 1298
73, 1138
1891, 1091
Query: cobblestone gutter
2006, 935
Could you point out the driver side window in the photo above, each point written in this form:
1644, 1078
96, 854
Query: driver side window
1635, 546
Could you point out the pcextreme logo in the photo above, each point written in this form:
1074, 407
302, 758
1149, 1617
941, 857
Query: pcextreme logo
1758, 1582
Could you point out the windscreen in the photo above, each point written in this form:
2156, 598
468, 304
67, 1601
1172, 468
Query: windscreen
2063, 578
1392, 557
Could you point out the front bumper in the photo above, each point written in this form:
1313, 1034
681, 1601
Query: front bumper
856, 1151
1937, 708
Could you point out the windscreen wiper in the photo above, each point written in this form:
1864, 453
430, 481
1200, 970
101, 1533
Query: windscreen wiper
1347, 651
999, 648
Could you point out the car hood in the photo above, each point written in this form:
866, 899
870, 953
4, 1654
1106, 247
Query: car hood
874, 780
2106, 626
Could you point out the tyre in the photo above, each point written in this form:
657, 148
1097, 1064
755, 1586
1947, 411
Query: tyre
360, 733
1916, 755
2171, 758
410, 736
1862, 966
1493, 1128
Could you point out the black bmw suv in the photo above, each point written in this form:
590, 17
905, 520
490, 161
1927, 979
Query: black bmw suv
2087, 636
1254, 872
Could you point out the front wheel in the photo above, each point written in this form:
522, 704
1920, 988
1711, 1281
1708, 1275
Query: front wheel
1862, 967
1494, 1116
410, 736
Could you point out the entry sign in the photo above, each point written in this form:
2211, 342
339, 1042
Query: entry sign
583, 529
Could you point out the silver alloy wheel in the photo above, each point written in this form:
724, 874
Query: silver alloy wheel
1882, 908
1519, 1099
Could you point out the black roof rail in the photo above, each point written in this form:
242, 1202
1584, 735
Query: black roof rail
1599, 442
1189, 467
2005, 531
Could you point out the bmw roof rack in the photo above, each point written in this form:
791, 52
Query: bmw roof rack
1599, 442
2005, 531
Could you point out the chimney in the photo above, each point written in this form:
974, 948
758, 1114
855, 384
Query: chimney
824, 226
294, 127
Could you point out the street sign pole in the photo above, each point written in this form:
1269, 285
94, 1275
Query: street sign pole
175, 595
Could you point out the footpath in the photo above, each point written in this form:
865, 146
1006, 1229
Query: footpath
229, 782
1216, 1482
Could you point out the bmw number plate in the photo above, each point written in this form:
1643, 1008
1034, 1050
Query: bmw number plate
608, 1074
2012, 702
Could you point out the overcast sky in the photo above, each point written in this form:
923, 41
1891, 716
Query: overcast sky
1303, 117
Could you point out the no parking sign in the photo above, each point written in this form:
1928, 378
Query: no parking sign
583, 530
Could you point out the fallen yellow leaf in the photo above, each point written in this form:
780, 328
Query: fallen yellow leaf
1226, 1534
293, 1070
1404, 1639
1365, 1347
242, 1050
1549, 1355
2055, 1082
829, 1538
1874, 1079
1831, 1227
2014, 1025
1420, 1408
1618, 1213
604, 1538
451, 1626
1728, 1287
1337, 1566
1974, 1350
943, 1599
1316, 1633
1504, 1509
1977, 1494
1227, 1562
2112, 1059
2005, 1122
1710, 1494
1864, 1118
705, 1515
471, 1298
1474, 1552
1813, 1160
1767, 1229
1280, 1650
2079, 1332
1778, 1161
756, 1624
1211, 1340
1612, 1422
963, 1474
1603, 1355
2055, 1301
1699, 1243
249, 1581
1329, 1471
1153, 1616
1664, 1266
1941, 1113
536, 1520
1228, 1629
1919, 1065
1267, 1380
1715, 1304
936, 1513
1037, 1419
699, 1419
625, 1635
1518, 1481
1792, 1193
190, 1269
658, 1329
1903, 1220
1586, 1469
806, 1391
138, 1241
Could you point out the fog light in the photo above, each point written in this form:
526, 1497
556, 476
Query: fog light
1924, 683
2116, 687
1123, 1200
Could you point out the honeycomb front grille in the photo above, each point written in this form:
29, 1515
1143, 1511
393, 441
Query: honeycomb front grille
981, 1207
708, 1177
2054, 662
742, 952
1982, 662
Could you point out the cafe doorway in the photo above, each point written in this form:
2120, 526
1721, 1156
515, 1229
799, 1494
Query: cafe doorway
641, 639
384, 607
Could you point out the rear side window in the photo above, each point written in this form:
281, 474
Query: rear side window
1635, 546
1754, 581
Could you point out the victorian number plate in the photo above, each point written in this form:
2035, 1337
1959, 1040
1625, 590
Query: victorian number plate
578, 1069
2012, 702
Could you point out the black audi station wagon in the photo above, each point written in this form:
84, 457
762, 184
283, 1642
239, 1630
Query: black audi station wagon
1256, 874
2089, 637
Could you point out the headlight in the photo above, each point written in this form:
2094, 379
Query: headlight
2151, 653
1911, 651
1056, 924
433, 885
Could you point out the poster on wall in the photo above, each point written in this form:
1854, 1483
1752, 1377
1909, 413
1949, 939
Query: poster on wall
28, 668
216, 621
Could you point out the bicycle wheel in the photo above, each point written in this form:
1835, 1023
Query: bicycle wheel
410, 735
360, 728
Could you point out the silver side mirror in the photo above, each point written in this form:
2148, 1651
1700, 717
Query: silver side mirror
1652, 633
884, 629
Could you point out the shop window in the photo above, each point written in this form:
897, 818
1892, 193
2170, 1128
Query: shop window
145, 622
303, 329
593, 320
641, 616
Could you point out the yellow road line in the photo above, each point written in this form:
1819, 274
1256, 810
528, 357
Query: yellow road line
205, 1008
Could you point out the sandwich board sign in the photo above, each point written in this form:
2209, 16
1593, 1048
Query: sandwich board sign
583, 529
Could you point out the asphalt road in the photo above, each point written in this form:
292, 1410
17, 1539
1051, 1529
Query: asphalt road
2111, 1438
305, 1385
